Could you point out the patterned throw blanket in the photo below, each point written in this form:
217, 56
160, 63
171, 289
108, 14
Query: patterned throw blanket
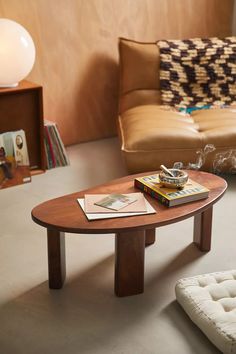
197, 72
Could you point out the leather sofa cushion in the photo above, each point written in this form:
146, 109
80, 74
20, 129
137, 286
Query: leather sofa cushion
139, 73
151, 128
150, 135
218, 126
139, 97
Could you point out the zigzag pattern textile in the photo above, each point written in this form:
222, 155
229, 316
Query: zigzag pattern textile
196, 72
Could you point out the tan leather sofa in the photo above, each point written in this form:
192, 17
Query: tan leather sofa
151, 136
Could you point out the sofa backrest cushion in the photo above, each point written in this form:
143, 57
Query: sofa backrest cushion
139, 74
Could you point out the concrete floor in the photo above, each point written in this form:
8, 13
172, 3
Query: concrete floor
85, 317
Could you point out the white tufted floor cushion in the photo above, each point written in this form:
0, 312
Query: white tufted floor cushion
210, 302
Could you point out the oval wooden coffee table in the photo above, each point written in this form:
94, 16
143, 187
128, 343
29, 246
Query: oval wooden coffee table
132, 233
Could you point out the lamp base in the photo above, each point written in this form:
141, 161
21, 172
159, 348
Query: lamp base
11, 85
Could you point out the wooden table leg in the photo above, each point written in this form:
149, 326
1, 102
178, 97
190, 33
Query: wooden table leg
56, 259
129, 263
202, 230
150, 237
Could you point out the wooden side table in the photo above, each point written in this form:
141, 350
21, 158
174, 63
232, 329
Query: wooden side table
21, 107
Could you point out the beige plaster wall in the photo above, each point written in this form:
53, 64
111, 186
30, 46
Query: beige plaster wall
77, 56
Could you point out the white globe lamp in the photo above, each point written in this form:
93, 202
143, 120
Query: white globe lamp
17, 53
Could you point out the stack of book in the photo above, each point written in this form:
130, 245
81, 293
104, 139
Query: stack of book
191, 191
103, 206
54, 148
14, 159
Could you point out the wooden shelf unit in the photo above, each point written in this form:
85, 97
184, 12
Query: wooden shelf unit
21, 107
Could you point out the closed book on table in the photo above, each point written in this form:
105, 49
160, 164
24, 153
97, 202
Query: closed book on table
192, 191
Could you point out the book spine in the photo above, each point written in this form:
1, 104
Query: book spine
54, 146
151, 192
47, 151
57, 152
50, 146
61, 145
46, 154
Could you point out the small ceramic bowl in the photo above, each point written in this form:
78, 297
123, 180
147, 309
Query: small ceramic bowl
178, 181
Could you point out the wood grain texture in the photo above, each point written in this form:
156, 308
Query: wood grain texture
56, 259
202, 230
77, 56
64, 213
21, 107
150, 237
129, 263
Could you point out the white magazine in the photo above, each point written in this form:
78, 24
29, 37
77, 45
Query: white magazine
97, 216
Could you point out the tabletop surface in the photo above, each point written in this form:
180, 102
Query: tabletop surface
65, 214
